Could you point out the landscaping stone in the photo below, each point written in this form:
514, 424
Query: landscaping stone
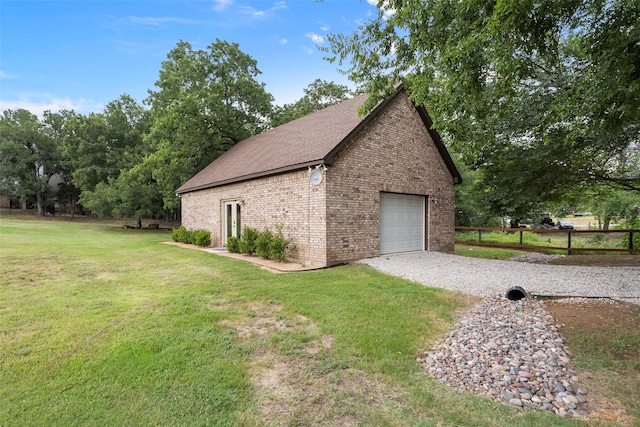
511, 351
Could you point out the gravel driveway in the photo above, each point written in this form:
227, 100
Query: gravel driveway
485, 277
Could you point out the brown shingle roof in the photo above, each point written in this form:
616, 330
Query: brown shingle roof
307, 141
294, 145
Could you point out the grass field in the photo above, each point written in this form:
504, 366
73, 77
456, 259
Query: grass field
595, 240
108, 327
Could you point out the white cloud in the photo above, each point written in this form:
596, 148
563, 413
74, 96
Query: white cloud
154, 21
266, 13
309, 50
39, 103
284, 41
121, 23
384, 7
5, 75
220, 5
325, 27
316, 38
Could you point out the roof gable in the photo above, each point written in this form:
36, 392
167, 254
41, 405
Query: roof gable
307, 141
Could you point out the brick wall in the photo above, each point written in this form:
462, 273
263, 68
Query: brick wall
287, 198
395, 154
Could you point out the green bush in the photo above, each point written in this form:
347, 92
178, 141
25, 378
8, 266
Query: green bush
625, 243
598, 239
197, 237
248, 241
201, 237
263, 243
180, 235
233, 245
278, 244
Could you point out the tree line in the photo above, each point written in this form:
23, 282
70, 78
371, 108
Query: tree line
128, 160
539, 103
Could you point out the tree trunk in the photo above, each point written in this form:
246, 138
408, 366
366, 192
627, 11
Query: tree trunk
39, 203
73, 207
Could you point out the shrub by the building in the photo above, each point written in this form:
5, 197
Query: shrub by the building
265, 244
193, 237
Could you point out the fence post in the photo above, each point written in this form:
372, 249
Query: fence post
520, 237
479, 236
568, 243
631, 242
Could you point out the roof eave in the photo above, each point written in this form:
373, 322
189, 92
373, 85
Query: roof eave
270, 172
442, 149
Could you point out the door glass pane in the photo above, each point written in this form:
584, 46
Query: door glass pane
229, 220
238, 226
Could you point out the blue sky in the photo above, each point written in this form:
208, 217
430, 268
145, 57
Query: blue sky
82, 54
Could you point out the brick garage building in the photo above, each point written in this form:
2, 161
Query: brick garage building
345, 187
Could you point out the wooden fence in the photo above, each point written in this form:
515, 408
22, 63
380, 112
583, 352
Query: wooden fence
568, 248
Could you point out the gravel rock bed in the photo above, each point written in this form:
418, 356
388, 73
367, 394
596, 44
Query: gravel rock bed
484, 277
536, 258
511, 351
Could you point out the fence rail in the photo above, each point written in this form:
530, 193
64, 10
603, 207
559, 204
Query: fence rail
568, 247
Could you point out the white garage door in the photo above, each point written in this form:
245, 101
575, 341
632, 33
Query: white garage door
401, 223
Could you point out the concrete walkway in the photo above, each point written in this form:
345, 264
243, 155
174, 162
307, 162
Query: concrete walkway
274, 266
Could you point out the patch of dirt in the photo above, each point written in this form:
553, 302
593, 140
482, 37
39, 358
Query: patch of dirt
306, 385
595, 315
599, 260
593, 325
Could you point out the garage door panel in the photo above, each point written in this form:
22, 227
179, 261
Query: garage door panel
401, 223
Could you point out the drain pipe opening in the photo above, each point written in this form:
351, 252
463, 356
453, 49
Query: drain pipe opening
516, 293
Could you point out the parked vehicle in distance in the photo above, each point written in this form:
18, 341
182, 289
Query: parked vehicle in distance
565, 225
547, 221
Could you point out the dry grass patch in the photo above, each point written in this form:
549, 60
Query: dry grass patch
604, 338
298, 381
20, 273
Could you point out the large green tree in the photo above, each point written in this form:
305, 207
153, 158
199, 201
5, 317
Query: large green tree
28, 157
105, 146
101, 145
205, 102
541, 96
318, 95
56, 127
614, 206
134, 193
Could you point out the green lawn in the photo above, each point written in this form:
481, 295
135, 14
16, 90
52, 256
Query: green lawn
109, 327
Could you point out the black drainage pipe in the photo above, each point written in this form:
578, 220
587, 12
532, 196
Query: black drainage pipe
516, 293
554, 297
